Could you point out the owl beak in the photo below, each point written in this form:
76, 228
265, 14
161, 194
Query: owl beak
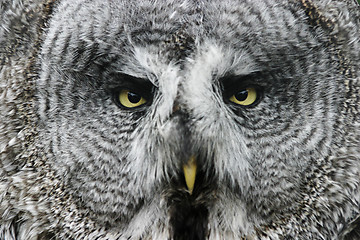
190, 173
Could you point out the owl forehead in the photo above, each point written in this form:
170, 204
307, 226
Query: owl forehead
180, 42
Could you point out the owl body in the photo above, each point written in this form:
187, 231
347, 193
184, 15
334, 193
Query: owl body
107, 105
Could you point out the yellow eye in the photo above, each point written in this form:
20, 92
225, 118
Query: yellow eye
244, 97
130, 99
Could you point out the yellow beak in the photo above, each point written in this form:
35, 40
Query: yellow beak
190, 173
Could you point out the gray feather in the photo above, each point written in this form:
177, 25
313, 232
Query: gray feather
75, 163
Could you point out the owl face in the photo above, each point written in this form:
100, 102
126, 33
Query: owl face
171, 117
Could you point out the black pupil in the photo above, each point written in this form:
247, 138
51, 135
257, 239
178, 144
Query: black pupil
242, 95
133, 97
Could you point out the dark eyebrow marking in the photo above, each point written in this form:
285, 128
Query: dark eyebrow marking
230, 81
118, 79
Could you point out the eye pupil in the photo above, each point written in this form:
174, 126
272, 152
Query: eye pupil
242, 95
133, 97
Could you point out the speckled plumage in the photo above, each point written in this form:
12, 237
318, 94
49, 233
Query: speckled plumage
74, 164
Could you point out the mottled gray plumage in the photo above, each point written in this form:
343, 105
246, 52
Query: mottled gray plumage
76, 164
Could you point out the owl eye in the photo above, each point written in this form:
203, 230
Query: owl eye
245, 97
130, 99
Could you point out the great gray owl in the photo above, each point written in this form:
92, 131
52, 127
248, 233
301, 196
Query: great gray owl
183, 120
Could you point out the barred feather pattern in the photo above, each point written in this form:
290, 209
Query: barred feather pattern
75, 164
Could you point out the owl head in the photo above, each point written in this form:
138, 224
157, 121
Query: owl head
197, 119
